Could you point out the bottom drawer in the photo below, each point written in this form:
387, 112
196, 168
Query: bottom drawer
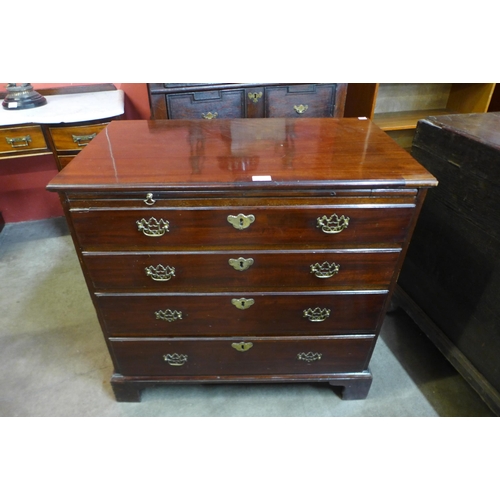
242, 356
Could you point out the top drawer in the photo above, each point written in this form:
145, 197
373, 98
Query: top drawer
208, 105
74, 138
22, 140
294, 101
234, 227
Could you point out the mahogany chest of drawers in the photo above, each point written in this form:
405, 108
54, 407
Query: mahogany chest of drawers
260, 250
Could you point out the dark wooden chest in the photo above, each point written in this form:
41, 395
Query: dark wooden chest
452, 270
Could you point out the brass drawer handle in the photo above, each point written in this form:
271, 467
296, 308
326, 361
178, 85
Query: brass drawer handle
175, 359
333, 224
309, 357
325, 270
19, 142
240, 221
149, 199
242, 346
300, 109
240, 264
152, 227
209, 115
168, 315
78, 139
160, 273
254, 96
242, 303
316, 315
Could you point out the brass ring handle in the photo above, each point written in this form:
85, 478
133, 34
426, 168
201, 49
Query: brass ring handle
149, 199
209, 115
19, 142
317, 314
168, 315
160, 273
240, 264
240, 221
333, 224
325, 270
300, 109
242, 346
175, 359
79, 138
309, 357
152, 227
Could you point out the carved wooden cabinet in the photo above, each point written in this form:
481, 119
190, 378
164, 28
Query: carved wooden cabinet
242, 250
246, 100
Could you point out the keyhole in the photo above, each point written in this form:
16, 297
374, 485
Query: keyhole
243, 303
241, 221
242, 265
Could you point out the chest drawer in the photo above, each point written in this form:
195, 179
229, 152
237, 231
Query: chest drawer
22, 140
257, 270
310, 100
237, 313
238, 356
258, 227
74, 138
207, 105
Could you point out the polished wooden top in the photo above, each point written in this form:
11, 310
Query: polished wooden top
273, 153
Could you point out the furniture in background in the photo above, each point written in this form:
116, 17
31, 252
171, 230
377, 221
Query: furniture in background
397, 107
64, 126
260, 250
245, 100
450, 281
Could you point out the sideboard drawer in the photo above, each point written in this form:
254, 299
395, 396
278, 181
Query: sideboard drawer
241, 228
74, 138
257, 270
208, 105
241, 356
240, 313
295, 101
22, 140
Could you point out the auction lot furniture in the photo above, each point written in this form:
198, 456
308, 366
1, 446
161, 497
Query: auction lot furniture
261, 250
450, 282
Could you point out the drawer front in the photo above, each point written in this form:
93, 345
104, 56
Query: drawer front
74, 138
240, 313
239, 228
22, 140
207, 105
241, 356
219, 271
311, 100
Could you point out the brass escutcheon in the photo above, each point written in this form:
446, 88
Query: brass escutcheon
209, 115
240, 264
242, 346
175, 359
240, 221
333, 224
325, 270
242, 303
254, 96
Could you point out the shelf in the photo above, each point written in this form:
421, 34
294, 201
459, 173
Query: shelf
405, 120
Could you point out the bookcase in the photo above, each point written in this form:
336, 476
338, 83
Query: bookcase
397, 107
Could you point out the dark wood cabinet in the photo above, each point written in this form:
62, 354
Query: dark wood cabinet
260, 100
260, 250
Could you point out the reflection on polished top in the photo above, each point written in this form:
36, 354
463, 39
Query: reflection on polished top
272, 152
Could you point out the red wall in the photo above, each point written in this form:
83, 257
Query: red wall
23, 196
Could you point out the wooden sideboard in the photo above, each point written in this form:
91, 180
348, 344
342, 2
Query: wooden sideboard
71, 118
260, 250
246, 100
